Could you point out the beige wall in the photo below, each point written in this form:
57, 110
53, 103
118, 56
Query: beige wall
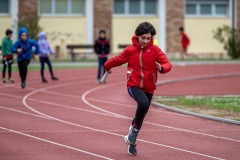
200, 31
5, 22
70, 29
123, 29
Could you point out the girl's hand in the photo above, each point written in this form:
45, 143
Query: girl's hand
159, 67
19, 50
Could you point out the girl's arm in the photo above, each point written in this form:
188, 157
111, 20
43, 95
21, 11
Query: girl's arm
117, 60
50, 49
36, 45
162, 59
15, 47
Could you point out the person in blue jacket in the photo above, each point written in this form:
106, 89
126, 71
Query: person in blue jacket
23, 47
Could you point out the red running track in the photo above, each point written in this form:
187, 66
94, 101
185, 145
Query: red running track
76, 118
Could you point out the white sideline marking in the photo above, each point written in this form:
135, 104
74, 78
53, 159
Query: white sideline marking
104, 131
36, 115
121, 116
55, 143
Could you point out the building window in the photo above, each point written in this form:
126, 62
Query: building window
4, 6
135, 7
209, 8
61, 7
205, 9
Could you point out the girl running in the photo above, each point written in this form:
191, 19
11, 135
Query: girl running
144, 61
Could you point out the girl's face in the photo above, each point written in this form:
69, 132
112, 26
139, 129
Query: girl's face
144, 39
24, 36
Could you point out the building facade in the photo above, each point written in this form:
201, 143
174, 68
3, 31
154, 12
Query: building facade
78, 21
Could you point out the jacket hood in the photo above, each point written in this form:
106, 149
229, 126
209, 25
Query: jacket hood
42, 35
136, 43
22, 30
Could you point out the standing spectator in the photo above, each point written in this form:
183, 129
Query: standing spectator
45, 49
23, 47
144, 60
185, 43
102, 49
7, 56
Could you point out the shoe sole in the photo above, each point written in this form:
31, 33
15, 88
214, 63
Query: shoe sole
126, 141
130, 152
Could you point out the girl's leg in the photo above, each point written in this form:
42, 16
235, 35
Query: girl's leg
50, 69
143, 100
42, 67
49, 66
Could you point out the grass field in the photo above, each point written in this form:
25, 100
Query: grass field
226, 107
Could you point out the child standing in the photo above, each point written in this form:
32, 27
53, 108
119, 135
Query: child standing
144, 60
23, 48
102, 49
185, 41
7, 56
44, 51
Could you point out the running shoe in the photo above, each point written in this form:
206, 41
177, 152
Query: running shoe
132, 136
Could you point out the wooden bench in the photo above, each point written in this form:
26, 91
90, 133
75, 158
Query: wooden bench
122, 46
72, 47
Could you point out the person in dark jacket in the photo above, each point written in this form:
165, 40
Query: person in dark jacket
7, 56
23, 47
144, 60
102, 49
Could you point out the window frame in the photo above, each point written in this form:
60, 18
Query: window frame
9, 10
213, 9
69, 9
142, 10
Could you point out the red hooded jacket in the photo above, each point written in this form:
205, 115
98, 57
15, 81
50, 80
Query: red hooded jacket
141, 70
185, 40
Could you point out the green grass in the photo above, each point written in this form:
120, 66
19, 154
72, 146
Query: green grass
227, 107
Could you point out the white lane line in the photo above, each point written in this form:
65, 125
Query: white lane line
59, 105
115, 134
111, 133
14, 110
133, 106
55, 143
122, 116
70, 107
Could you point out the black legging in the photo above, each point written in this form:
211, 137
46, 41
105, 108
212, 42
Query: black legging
9, 66
23, 68
44, 60
143, 100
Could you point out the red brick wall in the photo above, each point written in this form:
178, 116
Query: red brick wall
103, 17
238, 14
174, 19
28, 6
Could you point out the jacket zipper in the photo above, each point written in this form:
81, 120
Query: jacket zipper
141, 70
